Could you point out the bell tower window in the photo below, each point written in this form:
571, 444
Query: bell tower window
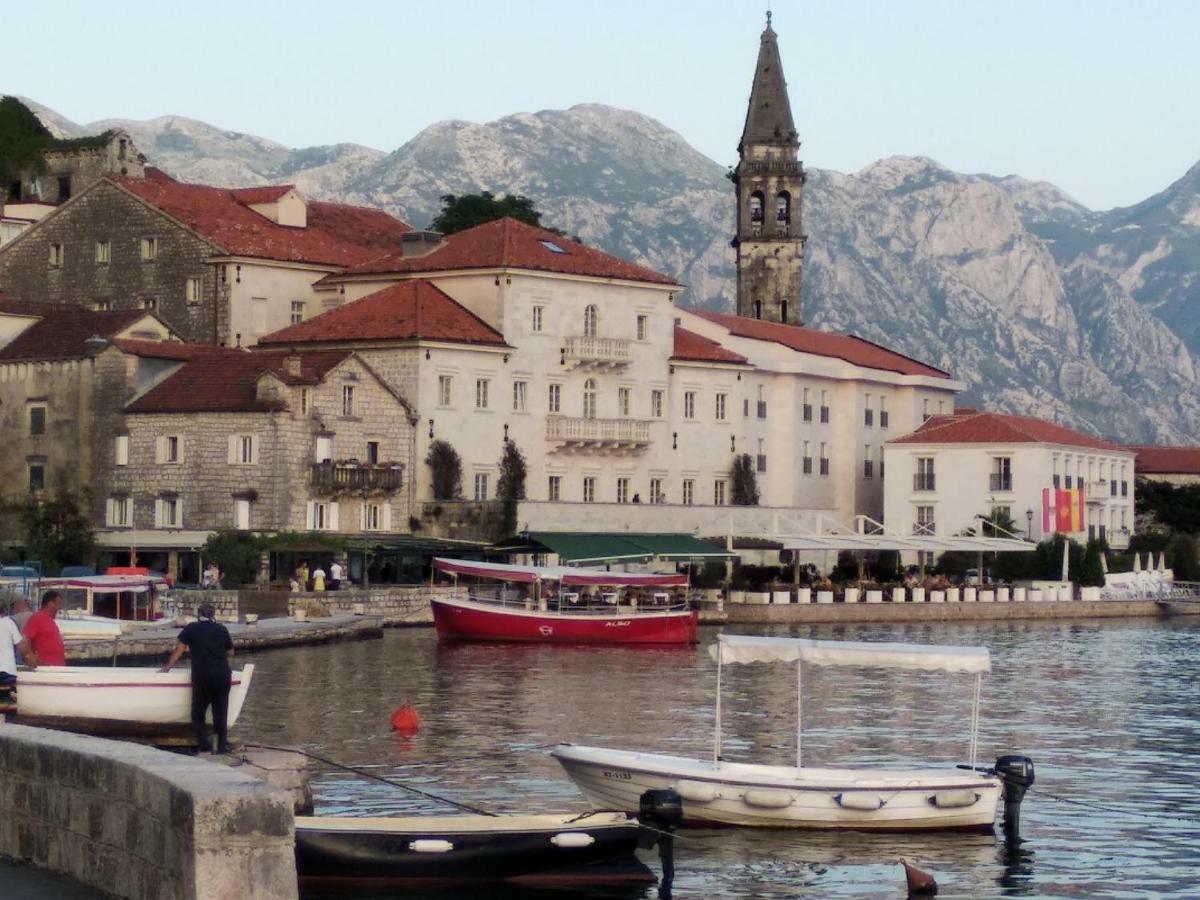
756, 212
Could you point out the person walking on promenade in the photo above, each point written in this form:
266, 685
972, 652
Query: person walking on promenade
212, 676
45, 640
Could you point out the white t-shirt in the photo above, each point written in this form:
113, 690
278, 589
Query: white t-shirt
10, 636
335, 572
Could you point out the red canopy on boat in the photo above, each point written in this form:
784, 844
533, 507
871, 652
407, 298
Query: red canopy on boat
564, 574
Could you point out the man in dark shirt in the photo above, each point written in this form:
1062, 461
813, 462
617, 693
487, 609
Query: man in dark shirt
211, 647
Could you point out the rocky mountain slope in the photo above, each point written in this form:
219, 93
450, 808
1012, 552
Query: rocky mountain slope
1041, 305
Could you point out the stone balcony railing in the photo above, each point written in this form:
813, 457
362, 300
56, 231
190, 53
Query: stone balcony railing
350, 476
588, 435
1098, 491
596, 351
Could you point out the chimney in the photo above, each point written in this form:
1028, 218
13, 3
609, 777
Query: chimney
419, 243
291, 365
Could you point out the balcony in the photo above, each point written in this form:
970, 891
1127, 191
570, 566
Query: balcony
579, 435
596, 351
1097, 491
1000, 481
351, 476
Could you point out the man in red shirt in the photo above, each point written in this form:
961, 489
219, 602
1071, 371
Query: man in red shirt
45, 640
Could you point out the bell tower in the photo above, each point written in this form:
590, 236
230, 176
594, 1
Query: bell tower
769, 181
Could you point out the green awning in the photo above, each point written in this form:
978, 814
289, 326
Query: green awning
587, 547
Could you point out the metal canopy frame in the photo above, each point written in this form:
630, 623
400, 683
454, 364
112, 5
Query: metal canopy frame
867, 534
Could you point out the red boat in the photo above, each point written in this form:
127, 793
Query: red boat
550, 605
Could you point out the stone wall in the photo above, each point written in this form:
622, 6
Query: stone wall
141, 823
396, 605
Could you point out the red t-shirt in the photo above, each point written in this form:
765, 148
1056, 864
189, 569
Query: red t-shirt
45, 639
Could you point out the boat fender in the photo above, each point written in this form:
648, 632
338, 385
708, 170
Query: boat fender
429, 845
767, 798
863, 800
572, 839
697, 791
954, 799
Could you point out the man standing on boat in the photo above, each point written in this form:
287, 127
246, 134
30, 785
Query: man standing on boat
212, 677
45, 640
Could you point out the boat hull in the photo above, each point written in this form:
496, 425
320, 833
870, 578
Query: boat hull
139, 697
375, 853
784, 796
471, 620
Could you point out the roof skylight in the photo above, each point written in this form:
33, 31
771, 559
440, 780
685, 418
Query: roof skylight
552, 247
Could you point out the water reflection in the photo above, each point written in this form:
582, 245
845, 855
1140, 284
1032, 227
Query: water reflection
1105, 709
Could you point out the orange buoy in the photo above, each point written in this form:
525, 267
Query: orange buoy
405, 719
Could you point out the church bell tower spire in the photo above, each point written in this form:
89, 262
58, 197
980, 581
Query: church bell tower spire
769, 181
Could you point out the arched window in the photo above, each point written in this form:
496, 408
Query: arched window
783, 208
589, 395
756, 207
589, 321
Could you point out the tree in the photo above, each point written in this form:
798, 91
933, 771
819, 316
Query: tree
1091, 571
745, 482
236, 554
23, 137
57, 532
511, 486
469, 210
1182, 558
446, 464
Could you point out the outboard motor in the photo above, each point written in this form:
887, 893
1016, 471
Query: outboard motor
662, 810
1016, 773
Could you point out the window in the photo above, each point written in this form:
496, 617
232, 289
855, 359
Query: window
554, 488
481, 486
1069, 482
37, 477
589, 399
824, 407
720, 410
806, 407
923, 478
372, 517
689, 404
445, 382
121, 450
168, 512
806, 459
57, 256
719, 489
883, 413
322, 515
756, 212
102, 305
149, 249
1001, 479
119, 512
241, 514
641, 327
64, 188
925, 409
481, 393
149, 304
519, 390
590, 318
656, 403
535, 323
37, 420
761, 462
304, 401
373, 452
689, 487
589, 489
824, 470
622, 490
624, 399
656, 491
924, 523
868, 413
103, 252
762, 403
868, 463
297, 305
347, 400
170, 449
243, 450
555, 398
324, 450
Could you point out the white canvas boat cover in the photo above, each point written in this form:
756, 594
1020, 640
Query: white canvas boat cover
106, 584
567, 575
738, 648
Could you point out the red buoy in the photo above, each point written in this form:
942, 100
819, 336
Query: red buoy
405, 719
920, 884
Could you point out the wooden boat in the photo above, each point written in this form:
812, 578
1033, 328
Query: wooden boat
547, 606
352, 853
717, 791
116, 701
132, 597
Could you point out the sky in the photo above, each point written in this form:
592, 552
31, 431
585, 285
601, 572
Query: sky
1095, 96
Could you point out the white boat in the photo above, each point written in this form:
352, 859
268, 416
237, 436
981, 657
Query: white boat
117, 699
120, 596
718, 791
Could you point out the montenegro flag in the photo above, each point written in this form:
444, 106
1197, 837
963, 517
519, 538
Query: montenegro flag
1062, 513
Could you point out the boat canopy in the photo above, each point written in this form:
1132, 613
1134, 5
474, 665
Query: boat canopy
566, 575
107, 584
737, 648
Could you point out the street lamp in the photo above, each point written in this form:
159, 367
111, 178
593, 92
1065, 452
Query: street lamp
1029, 524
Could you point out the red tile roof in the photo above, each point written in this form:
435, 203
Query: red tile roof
62, 333
410, 310
336, 234
999, 428
693, 347
509, 244
168, 349
1167, 460
228, 381
847, 347
268, 193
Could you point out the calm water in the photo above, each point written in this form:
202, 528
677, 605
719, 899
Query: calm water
1107, 711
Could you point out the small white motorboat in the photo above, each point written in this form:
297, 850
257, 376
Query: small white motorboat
717, 791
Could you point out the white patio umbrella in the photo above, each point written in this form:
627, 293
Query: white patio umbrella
1137, 562
1162, 561
1066, 566
1104, 563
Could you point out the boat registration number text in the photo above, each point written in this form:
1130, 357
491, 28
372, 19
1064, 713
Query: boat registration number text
618, 776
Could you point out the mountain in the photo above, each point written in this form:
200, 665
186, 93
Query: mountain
1041, 305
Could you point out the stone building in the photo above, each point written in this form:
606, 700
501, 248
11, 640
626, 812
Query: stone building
72, 164
769, 181
219, 266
